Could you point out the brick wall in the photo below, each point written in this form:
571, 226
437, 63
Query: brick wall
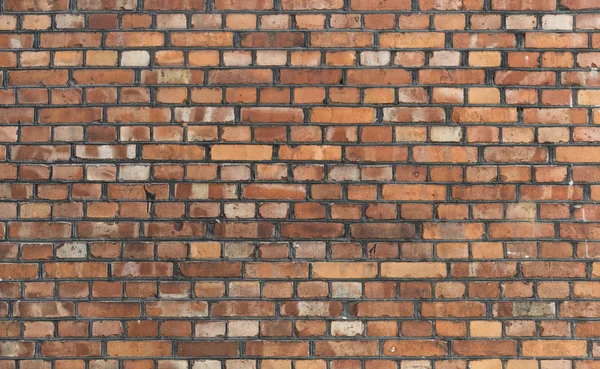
306, 184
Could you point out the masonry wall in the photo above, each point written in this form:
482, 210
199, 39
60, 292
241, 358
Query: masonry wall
299, 184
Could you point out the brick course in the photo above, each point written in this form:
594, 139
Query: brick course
307, 184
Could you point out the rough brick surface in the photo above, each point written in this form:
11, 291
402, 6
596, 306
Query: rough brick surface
307, 184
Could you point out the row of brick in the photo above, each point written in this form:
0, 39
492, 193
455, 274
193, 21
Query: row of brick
198, 5
298, 211
298, 328
258, 153
163, 363
305, 96
300, 250
298, 230
403, 310
318, 115
475, 134
304, 58
300, 76
64, 173
315, 39
323, 193
488, 20
267, 192
167, 289
338, 270
289, 349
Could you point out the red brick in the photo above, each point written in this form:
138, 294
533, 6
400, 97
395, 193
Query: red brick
241, 152
383, 309
452, 231
65, 40
346, 348
482, 348
523, 5
413, 192
35, 6
76, 270
174, 5
18, 271
39, 78
429, 348
208, 349
341, 39
556, 40
555, 348
243, 308
31, 230
521, 230
312, 5
177, 309
312, 230
453, 309
515, 154
382, 231
380, 5
138, 348
274, 191
276, 270
412, 40
577, 5
378, 77
483, 40
70, 349
211, 269
44, 309
279, 348
235, 76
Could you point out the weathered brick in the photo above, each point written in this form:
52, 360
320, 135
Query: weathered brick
177, 309
243, 308
75, 270
555, 348
383, 309
208, 349
382, 231
343, 270
44, 309
413, 270
453, 309
70, 348
346, 348
484, 270
380, 5
211, 269
274, 191
342, 115
138, 348
525, 309
241, 152
174, 5
429, 348
36, 5
181, 176
482, 348
311, 309
312, 230
413, 192
412, 40
109, 309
